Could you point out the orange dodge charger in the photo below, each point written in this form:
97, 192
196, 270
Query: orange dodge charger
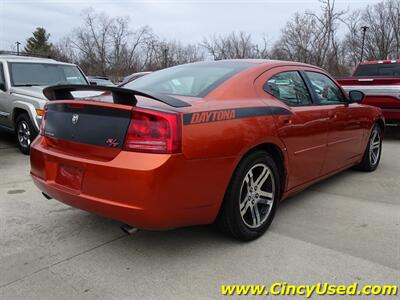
220, 141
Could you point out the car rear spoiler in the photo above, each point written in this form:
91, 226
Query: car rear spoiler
119, 95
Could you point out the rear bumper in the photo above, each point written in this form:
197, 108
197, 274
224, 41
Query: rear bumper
148, 191
126, 213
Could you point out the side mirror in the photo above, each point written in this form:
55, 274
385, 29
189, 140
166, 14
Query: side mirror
356, 96
93, 83
2, 86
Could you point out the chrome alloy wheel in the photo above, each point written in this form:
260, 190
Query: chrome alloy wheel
374, 147
24, 134
257, 195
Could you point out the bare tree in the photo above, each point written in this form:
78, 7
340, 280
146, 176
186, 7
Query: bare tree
327, 42
383, 35
162, 54
394, 8
106, 45
297, 40
64, 52
313, 38
235, 45
379, 39
352, 41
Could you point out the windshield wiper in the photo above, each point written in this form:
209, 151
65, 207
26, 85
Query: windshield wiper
27, 84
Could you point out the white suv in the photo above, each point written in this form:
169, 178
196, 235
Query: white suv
22, 80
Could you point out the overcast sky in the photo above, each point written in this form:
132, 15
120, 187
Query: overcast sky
186, 20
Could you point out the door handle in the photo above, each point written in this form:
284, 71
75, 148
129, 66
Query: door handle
333, 115
285, 119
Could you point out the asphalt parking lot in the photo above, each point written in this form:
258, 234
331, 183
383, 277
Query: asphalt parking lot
343, 230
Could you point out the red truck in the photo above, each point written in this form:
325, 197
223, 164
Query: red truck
380, 82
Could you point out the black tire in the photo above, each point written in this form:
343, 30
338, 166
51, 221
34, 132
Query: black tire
230, 219
370, 162
25, 132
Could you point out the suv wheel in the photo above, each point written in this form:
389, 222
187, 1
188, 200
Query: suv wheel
251, 199
25, 132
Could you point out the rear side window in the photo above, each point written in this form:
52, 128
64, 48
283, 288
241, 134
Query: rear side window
326, 90
391, 70
289, 87
2, 79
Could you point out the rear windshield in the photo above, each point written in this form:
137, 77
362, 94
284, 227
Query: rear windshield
193, 80
32, 74
379, 70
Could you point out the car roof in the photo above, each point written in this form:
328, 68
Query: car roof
17, 58
97, 77
255, 61
386, 61
259, 62
139, 73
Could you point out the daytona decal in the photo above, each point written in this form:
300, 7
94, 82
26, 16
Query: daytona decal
212, 116
230, 114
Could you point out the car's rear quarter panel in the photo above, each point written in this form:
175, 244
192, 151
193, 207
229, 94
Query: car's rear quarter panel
226, 138
218, 146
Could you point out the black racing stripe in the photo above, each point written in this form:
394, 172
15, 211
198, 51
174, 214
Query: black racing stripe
260, 111
239, 113
390, 108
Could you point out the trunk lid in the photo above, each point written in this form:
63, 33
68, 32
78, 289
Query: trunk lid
87, 128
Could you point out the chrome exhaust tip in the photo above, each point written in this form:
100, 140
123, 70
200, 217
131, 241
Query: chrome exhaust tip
128, 229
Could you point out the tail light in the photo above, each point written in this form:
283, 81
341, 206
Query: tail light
43, 121
154, 132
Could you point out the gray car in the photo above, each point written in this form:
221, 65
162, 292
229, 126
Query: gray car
99, 80
22, 80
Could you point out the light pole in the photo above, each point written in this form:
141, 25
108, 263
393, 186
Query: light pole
17, 43
364, 30
165, 52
